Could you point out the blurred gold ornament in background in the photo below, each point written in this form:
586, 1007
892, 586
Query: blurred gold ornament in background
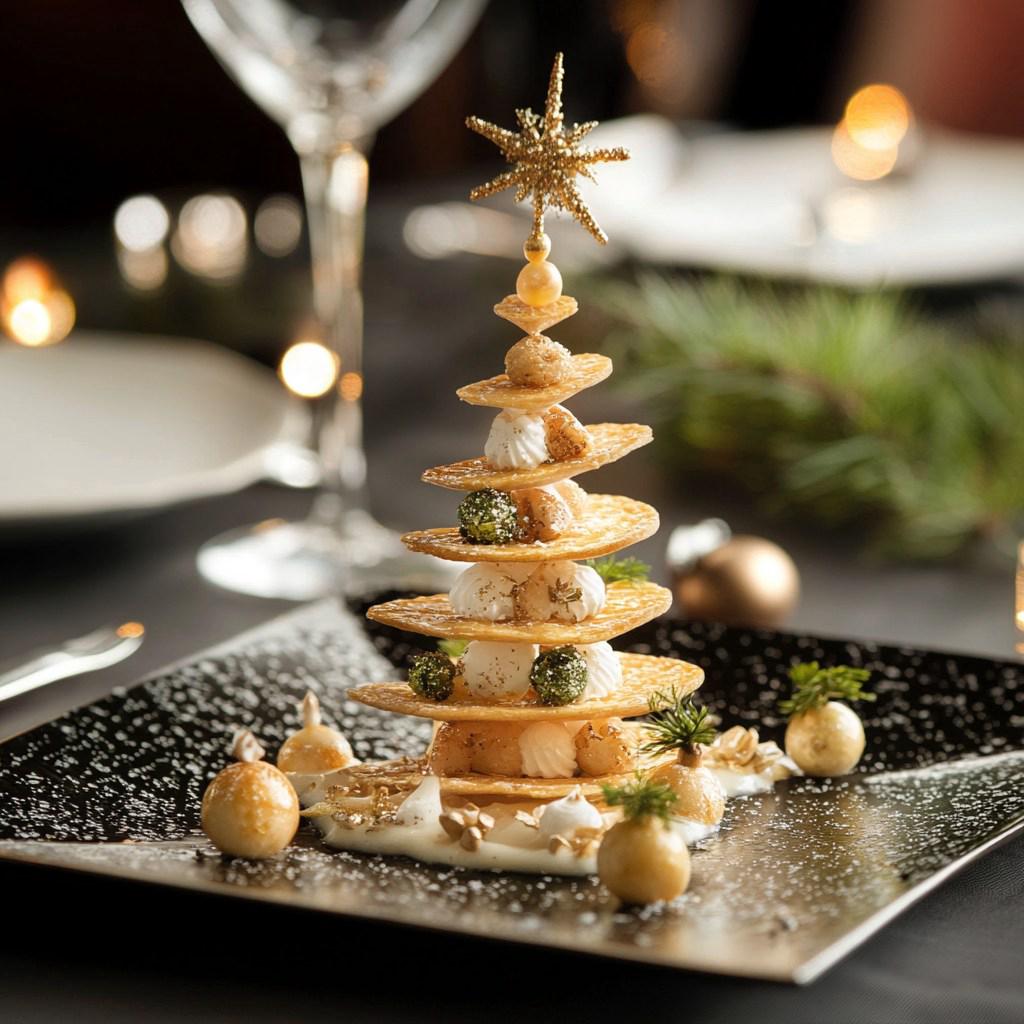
741, 581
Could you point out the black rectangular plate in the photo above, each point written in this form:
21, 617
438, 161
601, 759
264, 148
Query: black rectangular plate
794, 880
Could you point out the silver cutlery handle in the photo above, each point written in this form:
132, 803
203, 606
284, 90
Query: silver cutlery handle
96, 650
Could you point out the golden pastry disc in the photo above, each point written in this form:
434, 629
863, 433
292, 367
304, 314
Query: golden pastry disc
611, 522
627, 606
499, 392
611, 441
643, 675
535, 319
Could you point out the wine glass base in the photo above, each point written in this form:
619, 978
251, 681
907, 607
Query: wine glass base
301, 561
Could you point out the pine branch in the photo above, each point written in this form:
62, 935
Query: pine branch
455, 647
677, 723
845, 408
814, 686
616, 570
641, 798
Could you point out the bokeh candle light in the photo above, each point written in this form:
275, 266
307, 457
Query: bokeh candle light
34, 310
308, 369
865, 143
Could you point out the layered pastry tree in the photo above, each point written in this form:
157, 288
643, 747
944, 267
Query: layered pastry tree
531, 704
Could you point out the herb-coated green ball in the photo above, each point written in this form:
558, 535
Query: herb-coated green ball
432, 675
559, 676
489, 517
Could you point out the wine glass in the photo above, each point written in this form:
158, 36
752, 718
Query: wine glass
331, 72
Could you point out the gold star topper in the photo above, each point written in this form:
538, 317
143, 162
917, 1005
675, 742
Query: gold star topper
546, 158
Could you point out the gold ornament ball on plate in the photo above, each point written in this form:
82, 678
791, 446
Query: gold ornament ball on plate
250, 809
748, 581
539, 284
826, 741
644, 861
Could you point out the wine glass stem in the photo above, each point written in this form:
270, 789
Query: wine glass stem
334, 182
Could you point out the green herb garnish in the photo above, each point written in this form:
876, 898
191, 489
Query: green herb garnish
620, 570
814, 686
454, 647
641, 798
489, 517
677, 723
559, 676
432, 676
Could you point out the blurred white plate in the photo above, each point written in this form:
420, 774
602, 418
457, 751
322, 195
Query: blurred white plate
774, 203
109, 425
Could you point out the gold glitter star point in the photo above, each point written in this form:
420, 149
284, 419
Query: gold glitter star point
546, 157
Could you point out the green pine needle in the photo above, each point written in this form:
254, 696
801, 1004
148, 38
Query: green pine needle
641, 798
841, 408
677, 723
814, 686
620, 570
455, 648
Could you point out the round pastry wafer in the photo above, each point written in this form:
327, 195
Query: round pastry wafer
627, 606
535, 319
406, 774
611, 522
499, 392
611, 441
643, 675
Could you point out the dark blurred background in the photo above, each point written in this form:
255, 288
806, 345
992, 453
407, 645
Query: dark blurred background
105, 100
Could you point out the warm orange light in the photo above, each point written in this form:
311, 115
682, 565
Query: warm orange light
351, 386
130, 630
26, 278
29, 323
309, 369
654, 53
877, 117
35, 322
856, 161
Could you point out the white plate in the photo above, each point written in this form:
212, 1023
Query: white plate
107, 425
774, 203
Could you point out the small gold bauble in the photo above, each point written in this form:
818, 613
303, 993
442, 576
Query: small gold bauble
537, 248
250, 810
748, 581
699, 795
643, 861
539, 284
826, 741
314, 749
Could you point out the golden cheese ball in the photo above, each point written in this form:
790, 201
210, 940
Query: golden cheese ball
250, 810
536, 362
314, 749
644, 861
539, 284
699, 795
826, 741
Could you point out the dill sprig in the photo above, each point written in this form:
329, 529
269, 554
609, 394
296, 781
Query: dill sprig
641, 798
677, 723
455, 647
814, 686
620, 570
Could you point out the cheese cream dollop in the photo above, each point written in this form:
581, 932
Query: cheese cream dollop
498, 671
563, 591
488, 590
604, 670
564, 816
548, 751
518, 440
